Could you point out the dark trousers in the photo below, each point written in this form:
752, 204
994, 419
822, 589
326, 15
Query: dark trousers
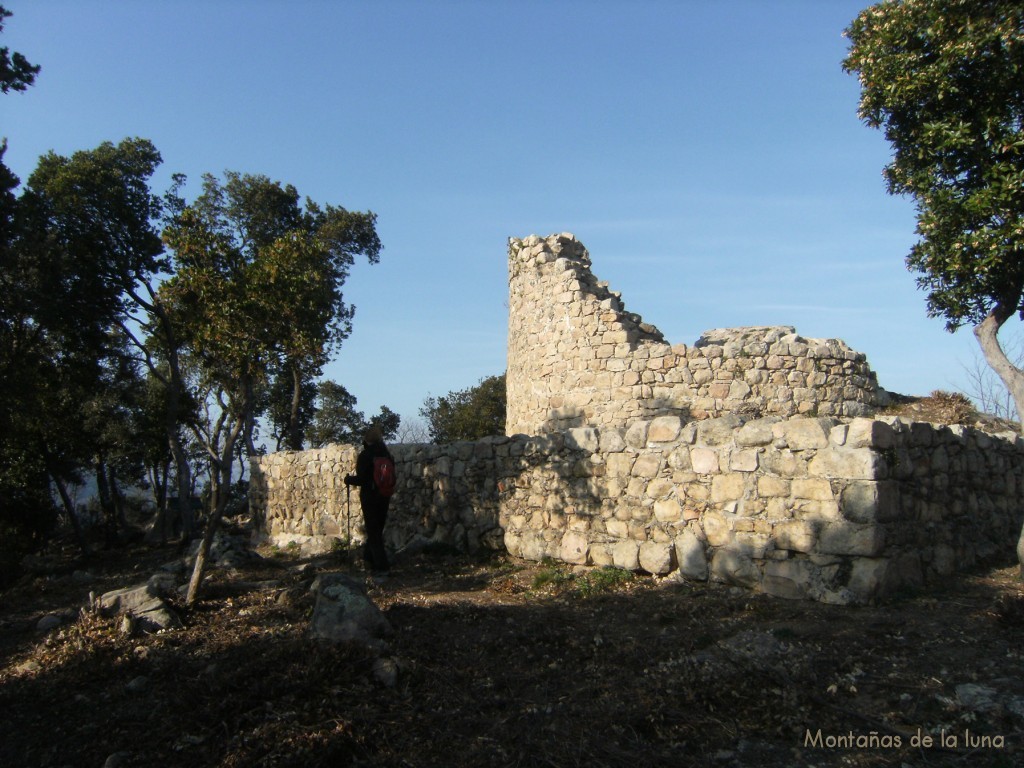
375, 517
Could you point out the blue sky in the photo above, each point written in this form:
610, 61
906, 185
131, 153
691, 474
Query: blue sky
708, 155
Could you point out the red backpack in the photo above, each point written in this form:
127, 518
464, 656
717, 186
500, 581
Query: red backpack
384, 475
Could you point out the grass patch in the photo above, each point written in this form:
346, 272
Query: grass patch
556, 577
606, 579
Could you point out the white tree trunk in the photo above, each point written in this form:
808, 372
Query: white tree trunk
1020, 552
986, 332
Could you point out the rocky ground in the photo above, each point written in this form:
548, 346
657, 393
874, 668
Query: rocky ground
498, 662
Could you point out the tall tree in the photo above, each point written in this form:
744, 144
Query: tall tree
84, 238
257, 287
16, 73
467, 414
336, 420
944, 79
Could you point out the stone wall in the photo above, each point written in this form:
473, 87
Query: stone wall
445, 495
576, 357
799, 508
746, 458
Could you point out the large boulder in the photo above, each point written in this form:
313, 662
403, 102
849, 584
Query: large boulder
144, 603
343, 612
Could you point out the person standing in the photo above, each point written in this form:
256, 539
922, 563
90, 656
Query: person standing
374, 499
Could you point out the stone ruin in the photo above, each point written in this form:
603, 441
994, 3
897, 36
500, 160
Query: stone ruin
751, 457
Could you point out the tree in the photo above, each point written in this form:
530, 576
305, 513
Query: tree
336, 420
256, 289
16, 73
945, 80
304, 257
82, 235
413, 431
468, 414
986, 389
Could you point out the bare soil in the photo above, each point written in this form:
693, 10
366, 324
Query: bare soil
500, 662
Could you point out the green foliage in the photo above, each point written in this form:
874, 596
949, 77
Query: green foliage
606, 579
81, 224
258, 287
558, 577
468, 414
336, 421
550, 575
944, 79
16, 73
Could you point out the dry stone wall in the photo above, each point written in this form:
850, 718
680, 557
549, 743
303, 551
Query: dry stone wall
445, 495
746, 458
800, 508
576, 357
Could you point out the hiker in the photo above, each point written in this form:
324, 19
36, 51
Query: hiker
375, 491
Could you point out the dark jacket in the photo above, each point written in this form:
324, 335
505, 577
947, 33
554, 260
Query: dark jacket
364, 468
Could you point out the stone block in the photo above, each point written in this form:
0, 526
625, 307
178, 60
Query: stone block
611, 441
769, 486
659, 488
574, 548
854, 464
679, 459
729, 487
691, 556
943, 560
868, 433
617, 528
851, 539
868, 577
647, 465
664, 429
582, 438
600, 555
620, 464
838, 434
815, 488
788, 579
801, 434
719, 431
743, 461
718, 390
869, 501
717, 529
636, 435
667, 511
795, 535
754, 544
704, 460
626, 554
812, 509
738, 390
656, 557
734, 567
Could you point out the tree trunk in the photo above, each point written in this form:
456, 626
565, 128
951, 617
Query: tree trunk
106, 503
158, 481
183, 471
295, 435
1020, 552
69, 508
119, 501
221, 493
986, 332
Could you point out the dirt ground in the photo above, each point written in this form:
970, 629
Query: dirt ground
500, 662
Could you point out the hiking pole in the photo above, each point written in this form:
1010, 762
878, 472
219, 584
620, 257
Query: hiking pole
348, 528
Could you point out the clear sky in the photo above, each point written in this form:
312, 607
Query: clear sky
708, 154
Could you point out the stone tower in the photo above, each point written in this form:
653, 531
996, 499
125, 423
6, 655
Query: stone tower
577, 358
